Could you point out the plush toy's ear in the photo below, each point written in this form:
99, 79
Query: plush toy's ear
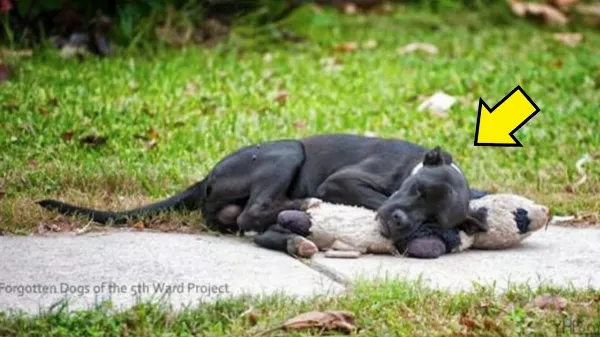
476, 222
434, 157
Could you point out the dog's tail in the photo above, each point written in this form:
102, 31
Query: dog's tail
188, 200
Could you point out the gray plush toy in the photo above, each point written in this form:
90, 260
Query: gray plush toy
347, 231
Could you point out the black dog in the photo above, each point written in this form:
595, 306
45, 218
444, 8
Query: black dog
264, 179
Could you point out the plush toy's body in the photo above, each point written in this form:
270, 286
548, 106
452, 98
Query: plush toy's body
510, 219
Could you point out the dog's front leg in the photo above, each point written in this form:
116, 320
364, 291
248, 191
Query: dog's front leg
282, 239
352, 186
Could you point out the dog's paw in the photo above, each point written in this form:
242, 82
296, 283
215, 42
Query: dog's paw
311, 203
299, 246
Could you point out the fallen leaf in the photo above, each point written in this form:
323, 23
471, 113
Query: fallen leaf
139, 225
2, 194
5, 72
281, 96
438, 104
299, 124
549, 302
43, 111
153, 134
93, 140
549, 14
370, 44
251, 316
346, 47
327, 320
417, 46
67, 136
53, 101
467, 322
586, 158
350, 8
33, 164
569, 39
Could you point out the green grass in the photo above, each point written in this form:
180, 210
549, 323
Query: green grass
389, 308
205, 103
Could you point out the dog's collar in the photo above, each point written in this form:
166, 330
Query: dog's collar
420, 166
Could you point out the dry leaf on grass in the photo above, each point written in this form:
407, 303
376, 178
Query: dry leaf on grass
346, 47
350, 8
569, 39
280, 96
251, 316
548, 302
299, 124
582, 174
341, 321
438, 104
549, 14
417, 46
67, 136
150, 138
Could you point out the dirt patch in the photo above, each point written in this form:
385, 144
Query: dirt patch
24, 216
584, 220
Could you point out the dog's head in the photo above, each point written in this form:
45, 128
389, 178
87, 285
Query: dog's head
436, 192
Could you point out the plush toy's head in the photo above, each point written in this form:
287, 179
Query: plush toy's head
510, 218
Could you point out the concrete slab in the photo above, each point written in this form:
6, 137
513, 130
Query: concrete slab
35, 272
560, 256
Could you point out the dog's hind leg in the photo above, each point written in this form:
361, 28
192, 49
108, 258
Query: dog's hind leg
275, 171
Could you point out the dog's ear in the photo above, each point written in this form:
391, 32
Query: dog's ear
434, 157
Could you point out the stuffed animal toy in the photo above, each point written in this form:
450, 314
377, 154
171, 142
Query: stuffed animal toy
347, 231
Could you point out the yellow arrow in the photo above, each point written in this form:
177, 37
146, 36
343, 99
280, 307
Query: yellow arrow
496, 126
